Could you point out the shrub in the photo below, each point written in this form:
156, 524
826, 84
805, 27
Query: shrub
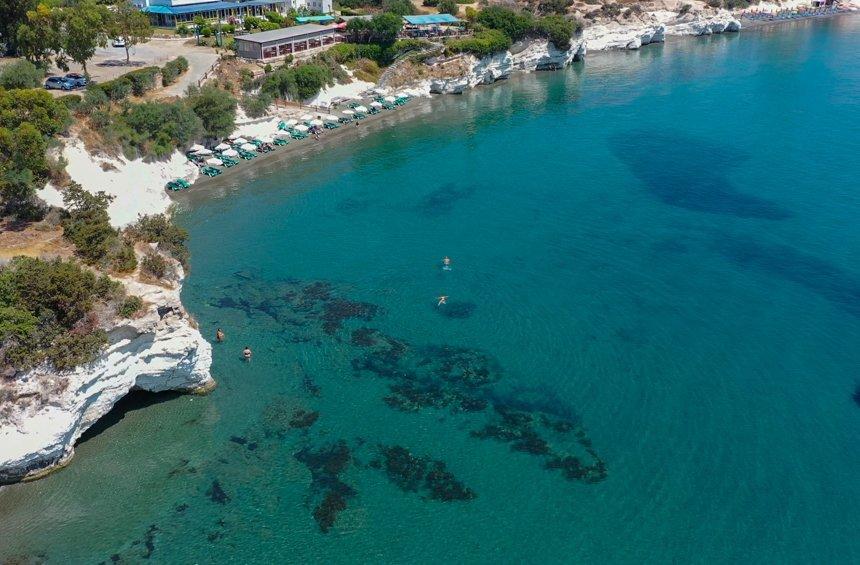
46, 312
88, 228
216, 108
246, 79
21, 74
482, 44
557, 29
685, 9
275, 18
514, 25
94, 98
117, 89
256, 106
129, 307
206, 31
430, 3
228, 28
448, 7
70, 101
154, 265
399, 7
142, 80
172, 69
268, 26
159, 229
182, 30
159, 127
73, 348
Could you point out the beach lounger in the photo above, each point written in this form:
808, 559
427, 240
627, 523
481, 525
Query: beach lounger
280, 141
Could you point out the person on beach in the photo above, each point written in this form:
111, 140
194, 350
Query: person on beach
219, 335
247, 353
442, 300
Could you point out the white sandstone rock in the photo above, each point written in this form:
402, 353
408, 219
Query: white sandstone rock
157, 351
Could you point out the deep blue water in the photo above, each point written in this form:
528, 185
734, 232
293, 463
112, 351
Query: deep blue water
650, 349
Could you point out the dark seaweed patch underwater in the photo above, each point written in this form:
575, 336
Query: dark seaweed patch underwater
691, 173
450, 379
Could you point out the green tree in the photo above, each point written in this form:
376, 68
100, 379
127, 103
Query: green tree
216, 108
13, 13
41, 37
448, 7
399, 7
131, 25
514, 25
21, 74
86, 28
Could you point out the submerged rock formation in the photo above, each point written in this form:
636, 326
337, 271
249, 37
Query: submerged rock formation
44, 413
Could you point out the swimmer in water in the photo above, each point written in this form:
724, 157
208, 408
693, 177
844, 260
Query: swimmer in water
247, 353
219, 335
442, 300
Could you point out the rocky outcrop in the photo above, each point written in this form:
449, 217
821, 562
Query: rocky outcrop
45, 412
616, 36
707, 26
535, 55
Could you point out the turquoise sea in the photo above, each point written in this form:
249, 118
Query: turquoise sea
650, 350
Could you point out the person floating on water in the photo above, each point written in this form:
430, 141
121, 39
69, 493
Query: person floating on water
219, 335
442, 300
247, 353
446, 263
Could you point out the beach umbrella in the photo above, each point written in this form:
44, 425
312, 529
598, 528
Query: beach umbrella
240, 141
233, 136
265, 139
195, 148
361, 109
301, 128
330, 118
230, 153
221, 147
214, 161
390, 99
203, 151
249, 147
307, 117
291, 122
316, 122
281, 135
375, 104
348, 112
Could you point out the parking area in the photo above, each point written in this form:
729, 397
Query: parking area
109, 62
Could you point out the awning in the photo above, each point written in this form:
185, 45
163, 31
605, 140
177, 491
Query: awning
431, 19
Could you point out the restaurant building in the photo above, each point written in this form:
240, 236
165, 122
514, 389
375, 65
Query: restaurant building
285, 41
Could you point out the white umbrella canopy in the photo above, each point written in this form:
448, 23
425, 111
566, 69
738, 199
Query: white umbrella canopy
330, 118
281, 135
375, 104
348, 112
196, 147
249, 147
361, 109
230, 153
390, 99
265, 139
233, 136
240, 141
291, 122
301, 128
215, 161
307, 117
316, 122
203, 151
222, 147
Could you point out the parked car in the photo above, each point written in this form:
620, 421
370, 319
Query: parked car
118, 42
59, 83
78, 79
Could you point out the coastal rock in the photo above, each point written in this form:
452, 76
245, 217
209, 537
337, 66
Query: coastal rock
159, 350
707, 26
616, 36
533, 55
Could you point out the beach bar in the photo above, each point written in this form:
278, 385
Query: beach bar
285, 41
432, 25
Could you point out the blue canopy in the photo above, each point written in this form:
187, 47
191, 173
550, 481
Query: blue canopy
430, 19
314, 19
207, 7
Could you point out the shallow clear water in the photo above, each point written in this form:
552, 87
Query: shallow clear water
655, 271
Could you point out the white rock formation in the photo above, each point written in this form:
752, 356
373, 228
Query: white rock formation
157, 351
707, 26
524, 56
617, 36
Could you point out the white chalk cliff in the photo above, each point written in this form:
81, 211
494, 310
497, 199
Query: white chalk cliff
524, 56
540, 54
158, 350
